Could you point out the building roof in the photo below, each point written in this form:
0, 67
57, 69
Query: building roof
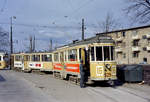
121, 30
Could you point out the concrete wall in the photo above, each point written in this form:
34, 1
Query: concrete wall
124, 45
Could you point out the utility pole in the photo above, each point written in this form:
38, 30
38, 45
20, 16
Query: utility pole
51, 45
31, 47
82, 29
34, 44
11, 39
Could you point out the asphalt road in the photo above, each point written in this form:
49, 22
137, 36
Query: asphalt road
16, 89
31, 87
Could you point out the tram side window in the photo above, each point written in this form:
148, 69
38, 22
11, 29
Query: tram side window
112, 53
99, 55
72, 55
17, 58
92, 54
62, 57
47, 57
65, 56
27, 58
56, 57
106, 53
35, 57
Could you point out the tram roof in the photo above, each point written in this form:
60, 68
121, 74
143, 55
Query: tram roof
96, 39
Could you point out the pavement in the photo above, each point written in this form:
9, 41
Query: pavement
14, 88
31, 87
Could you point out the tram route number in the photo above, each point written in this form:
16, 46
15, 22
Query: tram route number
99, 71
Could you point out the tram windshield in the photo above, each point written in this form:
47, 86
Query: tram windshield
103, 53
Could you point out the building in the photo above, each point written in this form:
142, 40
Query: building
132, 45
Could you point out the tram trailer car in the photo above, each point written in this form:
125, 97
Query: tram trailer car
17, 59
3, 62
38, 61
97, 54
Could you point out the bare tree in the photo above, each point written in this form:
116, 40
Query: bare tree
32, 44
4, 41
109, 23
138, 10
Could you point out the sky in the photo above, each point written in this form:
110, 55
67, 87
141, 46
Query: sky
59, 20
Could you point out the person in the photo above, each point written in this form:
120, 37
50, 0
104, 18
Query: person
82, 73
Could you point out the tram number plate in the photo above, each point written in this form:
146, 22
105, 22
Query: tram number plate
108, 74
99, 71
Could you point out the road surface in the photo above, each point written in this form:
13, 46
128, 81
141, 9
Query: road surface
14, 88
30, 87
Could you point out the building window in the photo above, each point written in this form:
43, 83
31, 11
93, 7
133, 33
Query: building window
148, 40
124, 55
135, 54
144, 48
134, 33
144, 37
117, 35
123, 33
144, 59
135, 42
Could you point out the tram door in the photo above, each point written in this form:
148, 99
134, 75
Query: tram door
62, 60
25, 65
84, 56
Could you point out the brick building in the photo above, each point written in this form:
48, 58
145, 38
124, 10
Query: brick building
132, 45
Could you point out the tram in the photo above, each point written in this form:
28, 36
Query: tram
3, 61
97, 55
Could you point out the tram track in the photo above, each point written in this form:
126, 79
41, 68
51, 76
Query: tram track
117, 94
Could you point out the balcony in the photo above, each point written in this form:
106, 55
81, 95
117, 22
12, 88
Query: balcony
135, 48
135, 37
118, 49
148, 48
119, 39
148, 36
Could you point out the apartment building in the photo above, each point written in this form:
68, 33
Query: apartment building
132, 45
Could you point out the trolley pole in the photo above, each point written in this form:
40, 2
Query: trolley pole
82, 29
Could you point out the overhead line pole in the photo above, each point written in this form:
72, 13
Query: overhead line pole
11, 39
82, 29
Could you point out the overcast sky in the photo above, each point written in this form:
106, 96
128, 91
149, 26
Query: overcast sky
59, 20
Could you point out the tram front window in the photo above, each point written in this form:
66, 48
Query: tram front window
106, 53
99, 56
92, 54
112, 53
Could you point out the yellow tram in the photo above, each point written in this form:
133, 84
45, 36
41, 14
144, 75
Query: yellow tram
97, 54
3, 62
38, 61
33, 61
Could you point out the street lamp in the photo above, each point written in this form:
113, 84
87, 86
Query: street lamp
11, 39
